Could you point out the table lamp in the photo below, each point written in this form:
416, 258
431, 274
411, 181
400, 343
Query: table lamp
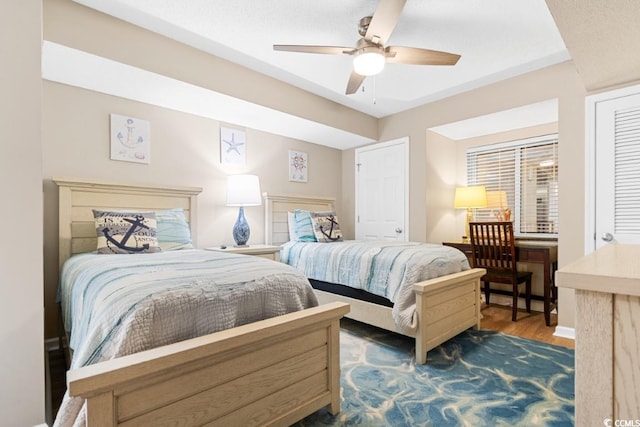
497, 200
242, 190
470, 198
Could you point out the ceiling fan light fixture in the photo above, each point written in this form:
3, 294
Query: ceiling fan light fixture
368, 62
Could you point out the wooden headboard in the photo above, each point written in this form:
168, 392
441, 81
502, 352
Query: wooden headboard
276, 206
78, 198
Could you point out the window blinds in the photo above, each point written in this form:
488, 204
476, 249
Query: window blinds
527, 171
627, 171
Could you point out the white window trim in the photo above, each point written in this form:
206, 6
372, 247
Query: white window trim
525, 142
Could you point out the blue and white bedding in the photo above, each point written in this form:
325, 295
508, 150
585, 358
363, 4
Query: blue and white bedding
114, 305
386, 269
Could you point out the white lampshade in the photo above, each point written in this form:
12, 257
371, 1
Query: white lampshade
243, 190
368, 63
471, 197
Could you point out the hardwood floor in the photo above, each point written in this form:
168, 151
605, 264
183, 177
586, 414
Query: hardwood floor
529, 325
495, 317
57, 381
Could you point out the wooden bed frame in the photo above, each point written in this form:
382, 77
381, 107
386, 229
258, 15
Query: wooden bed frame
445, 305
272, 372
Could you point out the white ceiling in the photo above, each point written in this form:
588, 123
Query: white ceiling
497, 39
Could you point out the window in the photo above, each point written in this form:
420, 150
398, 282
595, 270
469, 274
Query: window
527, 171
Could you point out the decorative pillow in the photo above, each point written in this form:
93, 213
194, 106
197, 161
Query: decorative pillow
303, 227
125, 232
173, 231
291, 224
326, 227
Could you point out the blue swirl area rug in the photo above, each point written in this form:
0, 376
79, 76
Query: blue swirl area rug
479, 378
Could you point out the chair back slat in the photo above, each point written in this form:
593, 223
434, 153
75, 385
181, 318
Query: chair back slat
492, 245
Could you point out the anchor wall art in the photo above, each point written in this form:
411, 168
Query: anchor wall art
233, 147
130, 140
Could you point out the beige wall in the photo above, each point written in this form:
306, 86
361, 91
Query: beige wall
428, 191
79, 27
348, 216
432, 159
185, 151
439, 188
184, 148
21, 317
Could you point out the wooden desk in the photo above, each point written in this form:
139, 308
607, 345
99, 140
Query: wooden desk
537, 252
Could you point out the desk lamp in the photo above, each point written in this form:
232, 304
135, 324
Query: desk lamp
497, 200
470, 198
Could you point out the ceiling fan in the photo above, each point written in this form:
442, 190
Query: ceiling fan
370, 53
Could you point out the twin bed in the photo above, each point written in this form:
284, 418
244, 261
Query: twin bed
437, 308
267, 372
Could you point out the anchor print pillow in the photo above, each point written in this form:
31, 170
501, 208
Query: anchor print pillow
125, 232
326, 227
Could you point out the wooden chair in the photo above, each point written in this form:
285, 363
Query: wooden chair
493, 248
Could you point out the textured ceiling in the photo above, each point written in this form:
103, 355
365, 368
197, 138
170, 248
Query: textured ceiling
603, 38
496, 38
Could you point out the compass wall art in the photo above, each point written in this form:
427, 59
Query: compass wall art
298, 167
130, 140
233, 147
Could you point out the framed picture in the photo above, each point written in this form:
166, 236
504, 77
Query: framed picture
233, 146
130, 140
298, 167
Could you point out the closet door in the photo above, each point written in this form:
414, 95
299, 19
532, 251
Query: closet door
617, 167
382, 191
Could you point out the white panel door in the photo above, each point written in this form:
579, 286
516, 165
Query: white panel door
382, 191
617, 170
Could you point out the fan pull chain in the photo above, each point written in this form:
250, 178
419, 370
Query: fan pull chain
375, 101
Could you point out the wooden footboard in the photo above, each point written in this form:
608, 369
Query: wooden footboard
272, 372
446, 306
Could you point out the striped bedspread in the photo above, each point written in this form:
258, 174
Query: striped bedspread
387, 269
114, 305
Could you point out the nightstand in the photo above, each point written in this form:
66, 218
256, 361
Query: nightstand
264, 251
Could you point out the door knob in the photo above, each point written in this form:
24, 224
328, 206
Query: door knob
398, 230
607, 237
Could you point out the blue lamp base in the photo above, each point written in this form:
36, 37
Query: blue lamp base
241, 230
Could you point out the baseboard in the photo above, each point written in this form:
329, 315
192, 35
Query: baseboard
564, 332
507, 300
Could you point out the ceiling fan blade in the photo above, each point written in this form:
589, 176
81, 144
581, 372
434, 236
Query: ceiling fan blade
355, 80
329, 50
384, 21
418, 56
